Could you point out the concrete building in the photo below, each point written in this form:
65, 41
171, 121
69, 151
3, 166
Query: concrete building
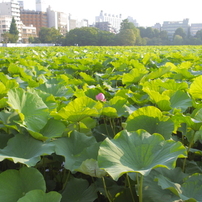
157, 26
12, 9
41, 5
58, 20
81, 23
105, 26
62, 22
21, 3
36, 18
114, 20
194, 28
171, 26
5, 22
52, 18
27, 32
71, 23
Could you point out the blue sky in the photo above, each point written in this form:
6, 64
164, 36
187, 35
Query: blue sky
146, 12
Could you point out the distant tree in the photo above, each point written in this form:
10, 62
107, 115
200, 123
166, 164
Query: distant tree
142, 32
13, 31
34, 40
49, 35
129, 35
84, 36
125, 24
163, 35
195, 41
106, 38
153, 36
149, 32
156, 33
199, 34
126, 37
180, 32
178, 40
6, 37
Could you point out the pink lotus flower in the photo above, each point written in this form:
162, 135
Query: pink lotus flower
100, 97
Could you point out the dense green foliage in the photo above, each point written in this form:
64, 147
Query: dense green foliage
128, 35
101, 124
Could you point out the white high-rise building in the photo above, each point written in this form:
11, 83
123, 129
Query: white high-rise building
12, 9
58, 20
114, 20
41, 5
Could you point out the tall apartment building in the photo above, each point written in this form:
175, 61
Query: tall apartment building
71, 22
36, 18
21, 3
194, 28
58, 20
76, 23
41, 5
114, 20
52, 18
171, 26
12, 9
62, 22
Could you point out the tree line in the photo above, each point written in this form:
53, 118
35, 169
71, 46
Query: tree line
128, 35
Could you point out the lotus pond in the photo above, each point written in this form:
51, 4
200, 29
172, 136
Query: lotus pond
96, 124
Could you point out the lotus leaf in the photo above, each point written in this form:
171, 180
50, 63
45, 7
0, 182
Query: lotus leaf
138, 152
15, 184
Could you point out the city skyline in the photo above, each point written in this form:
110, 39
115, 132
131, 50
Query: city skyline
146, 12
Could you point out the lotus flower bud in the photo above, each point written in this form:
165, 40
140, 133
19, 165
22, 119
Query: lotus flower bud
100, 97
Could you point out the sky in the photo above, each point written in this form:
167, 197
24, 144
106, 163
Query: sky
146, 12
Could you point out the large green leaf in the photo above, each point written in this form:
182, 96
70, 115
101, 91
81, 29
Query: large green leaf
31, 108
158, 72
196, 88
138, 152
135, 75
79, 109
161, 100
90, 167
40, 196
79, 190
76, 148
150, 119
4, 137
190, 189
56, 88
15, 184
180, 100
25, 149
53, 128
152, 192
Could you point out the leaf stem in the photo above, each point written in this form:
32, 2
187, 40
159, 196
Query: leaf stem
105, 123
140, 187
189, 147
65, 183
130, 188
78, 126
112, 126
105, 188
